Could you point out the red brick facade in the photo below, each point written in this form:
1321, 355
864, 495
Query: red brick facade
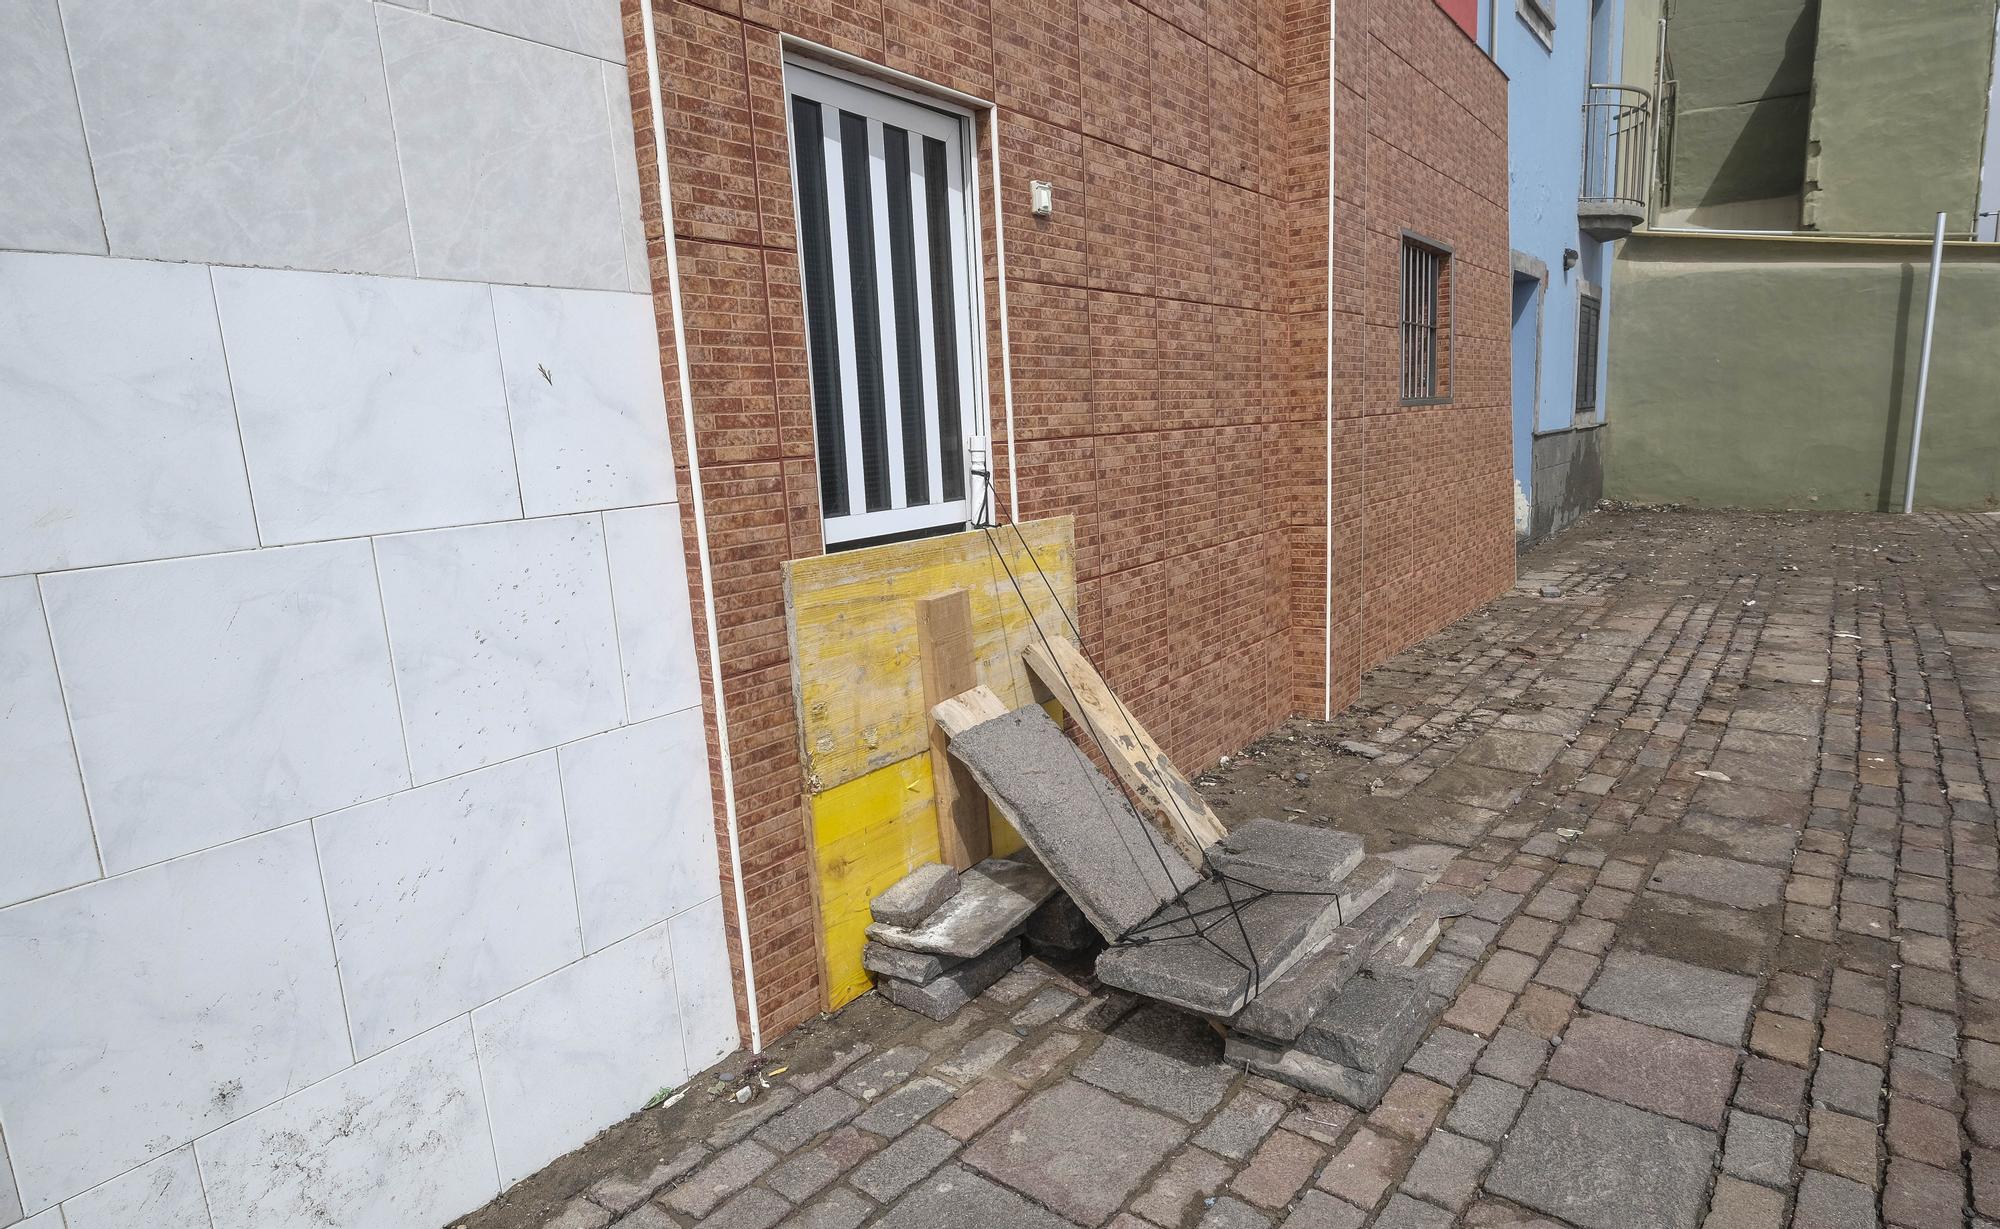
1168, 347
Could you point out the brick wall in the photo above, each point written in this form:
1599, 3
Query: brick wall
1167, 340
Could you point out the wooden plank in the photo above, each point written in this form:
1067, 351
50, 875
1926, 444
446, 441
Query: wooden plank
1162, 794
974, 706
867, 834
944, 657
855, 654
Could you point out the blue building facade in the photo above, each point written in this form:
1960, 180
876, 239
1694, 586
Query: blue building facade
1571, 145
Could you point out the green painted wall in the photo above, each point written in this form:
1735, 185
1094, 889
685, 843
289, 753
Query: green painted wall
1773, 374
1898, 114
1743, 71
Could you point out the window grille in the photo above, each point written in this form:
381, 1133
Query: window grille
1425, 337
1589, 314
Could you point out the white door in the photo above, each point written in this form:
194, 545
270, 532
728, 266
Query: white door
887, 254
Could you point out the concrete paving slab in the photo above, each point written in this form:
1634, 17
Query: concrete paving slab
943, 996
957, 1198
1079, 1150
1602, 1165
1747, 839
1163, 1058
1647, 1067
993, 901
1722, 881
915, 896
1670, 994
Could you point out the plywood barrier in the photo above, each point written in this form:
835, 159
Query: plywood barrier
864, 724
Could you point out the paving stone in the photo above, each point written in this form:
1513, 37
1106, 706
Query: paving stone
821, 1112
956, 1198
1741, 1205
1543, 1011
1320, 1118
1284, 1163
1162, 1058
1366, 1168
843, 1209
1923, 1132
1485, 1109
1933, 1032
1446, 1055
1373, 1024
1082, 1151
621, 1194
1241, 1125
993, 901
977, 1108
801, 1177
1673, 995
1848, 1085
1411, 1107
945, 995
904, 1108
1047, 1055
1509, 971
1447, 1170
1404, 1212
978, 1056
1514, 1055
883, 1071
1842, 1145
755, 1208
1478, 1009
1723, 881
1829, 1202
579, 1213
1192, 1175
915, 967
1982, 1117
1646, 1067
1603, 1165
1772, 1089
1231, 1213
915, 896
1319, 1210
1782, 1037
752, 1116
1919, 1195
646, 1216
1047, 1005
1746, 839
904, 1163
730, 1171
1758, 1149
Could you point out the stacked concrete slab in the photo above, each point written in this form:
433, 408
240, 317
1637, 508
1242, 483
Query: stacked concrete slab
940, 937
1305, 951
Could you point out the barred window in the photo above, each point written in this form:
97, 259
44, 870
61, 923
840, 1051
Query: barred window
1426, 326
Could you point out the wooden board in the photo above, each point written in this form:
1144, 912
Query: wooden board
1159, 790
854, 637
944, 658
867, 834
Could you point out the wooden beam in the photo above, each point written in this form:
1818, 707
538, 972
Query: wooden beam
948, 666
1163, 795
967, 709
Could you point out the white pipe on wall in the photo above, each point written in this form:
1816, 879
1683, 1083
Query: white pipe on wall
1924, 366
713, 636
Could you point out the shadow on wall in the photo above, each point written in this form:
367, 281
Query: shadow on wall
1743, 72
1894, 458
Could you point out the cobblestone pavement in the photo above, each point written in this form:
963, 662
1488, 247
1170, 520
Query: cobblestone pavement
1734, 961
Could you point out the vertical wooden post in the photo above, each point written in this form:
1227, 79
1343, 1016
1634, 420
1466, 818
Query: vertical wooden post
944, 652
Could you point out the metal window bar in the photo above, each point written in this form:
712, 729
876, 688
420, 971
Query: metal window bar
1422, 273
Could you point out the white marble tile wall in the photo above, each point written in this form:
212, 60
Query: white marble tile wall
349, 720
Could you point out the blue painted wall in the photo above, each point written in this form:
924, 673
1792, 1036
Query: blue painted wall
1545, 94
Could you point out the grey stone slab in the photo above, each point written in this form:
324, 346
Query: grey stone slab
993, 901
876, 1074
904, 1163
915, 896
1241, 1125
1404, 1212
819, 1113
1271, 854
917, 968
957, 1198
1048, 1004
1724, 881
1374, 1023
1829, 1202
843, 1209
1199, 952
1748, 839
943, 996
1286, 1004
1758, 1149
752, 1116
730, 1171
1485, 1109
1081, 1151
1514, 1055
1229, 1212
903, 1108
1116, 867
1515, 751
806, 1174
977, 1056
1686, 998
1447, 1170
755, 1208
578, 1213
1319, 1210
1277, 1061
1162, 1058
1446, 1055
621, 1193
1602, 1165
1848, 1085
1647, 1067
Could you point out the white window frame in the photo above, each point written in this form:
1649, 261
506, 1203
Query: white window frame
921, 116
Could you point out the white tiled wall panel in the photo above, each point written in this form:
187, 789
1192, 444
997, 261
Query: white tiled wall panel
162, 1194
44, 828
146, 1009
223, 695
589, 26
708, 1004
497, 190
47, 200
649, 589
641, 824
402, 423
584, 391
241, 132
448, 896
120, 440
503, 639
580, 1048
398, 1141
348, 699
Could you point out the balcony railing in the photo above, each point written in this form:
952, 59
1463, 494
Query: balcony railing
1617, 160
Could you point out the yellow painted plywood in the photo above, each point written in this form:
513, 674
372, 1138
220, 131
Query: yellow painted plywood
867, 834
853, 629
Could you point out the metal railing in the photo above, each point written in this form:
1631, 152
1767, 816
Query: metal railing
1617, 149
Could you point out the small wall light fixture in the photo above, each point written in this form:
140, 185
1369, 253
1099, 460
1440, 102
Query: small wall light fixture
1041, 197
1570, 257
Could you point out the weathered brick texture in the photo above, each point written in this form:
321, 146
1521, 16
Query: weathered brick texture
1168, 330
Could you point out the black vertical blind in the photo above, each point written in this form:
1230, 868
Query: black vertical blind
944, 316
823, 343
867, 310
909, 347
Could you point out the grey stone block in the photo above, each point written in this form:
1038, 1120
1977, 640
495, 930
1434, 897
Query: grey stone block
1279, 856
841, 1210
1116, 867
1485, 1109
943, 996
915, 896
1758, 1149
1319, 1210
1375, 1023
821, 1112
883, 1071
1162, 1058
1686, 998
1241, 1126
1081, 1151
1349, 1085
622, 1194
904, 1163
957, 1198
917, 968
1229, 1212
1286, 1004
903, 1108
755, 1208
1602, 1165
993, 901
